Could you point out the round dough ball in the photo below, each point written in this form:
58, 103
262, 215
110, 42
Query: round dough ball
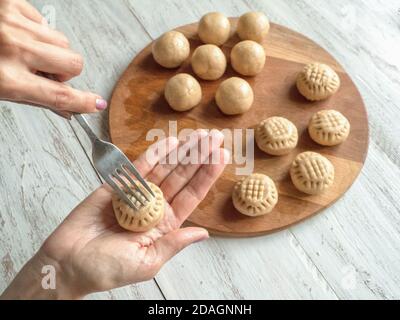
208, 62
171, 49
253, 26
214, 28
234, 96
183, 92
248, 58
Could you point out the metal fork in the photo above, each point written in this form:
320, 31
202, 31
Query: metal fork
116, 169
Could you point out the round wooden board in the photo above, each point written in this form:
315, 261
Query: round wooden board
138, 105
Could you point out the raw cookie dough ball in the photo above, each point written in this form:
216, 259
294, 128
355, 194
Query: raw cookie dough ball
329, 127
234, 96
312, 173
276, 136
255, 195
171, 49
214, 28
317, 81
183, 92
248, 58
208, 62
253, 26
147, 213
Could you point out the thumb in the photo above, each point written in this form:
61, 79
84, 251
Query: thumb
175, 241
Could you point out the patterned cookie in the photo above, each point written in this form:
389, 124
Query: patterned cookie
317, 81
276, 136
255, 195
146, 217
312, 173
329, 127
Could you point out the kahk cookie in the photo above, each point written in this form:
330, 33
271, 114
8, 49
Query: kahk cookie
317, 81
329, 127
146, 217
276, 136
312, 173
255, 195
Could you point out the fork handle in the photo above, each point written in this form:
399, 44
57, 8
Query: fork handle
85, 126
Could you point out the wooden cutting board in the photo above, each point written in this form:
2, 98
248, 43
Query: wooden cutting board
138, 105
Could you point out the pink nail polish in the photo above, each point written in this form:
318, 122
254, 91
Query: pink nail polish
101, 104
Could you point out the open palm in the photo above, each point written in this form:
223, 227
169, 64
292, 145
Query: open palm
95, 254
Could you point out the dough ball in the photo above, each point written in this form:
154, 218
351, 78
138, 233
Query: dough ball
208, 62
214, 28
234, 96
253, 26
183, 92
171, 49
248, 58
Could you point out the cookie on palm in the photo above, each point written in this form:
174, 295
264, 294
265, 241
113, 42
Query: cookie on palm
146, 217
329, 127
255, 195
312, 173
276, 136
317, 81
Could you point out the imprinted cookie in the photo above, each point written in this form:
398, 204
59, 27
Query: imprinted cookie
317, 81
146, 217
255, 195
312, 173
329, 127
276, 136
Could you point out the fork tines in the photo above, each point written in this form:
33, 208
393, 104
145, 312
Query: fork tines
127, 185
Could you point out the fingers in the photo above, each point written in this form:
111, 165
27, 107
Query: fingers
58, 96
195, 191
182, 174
157, 151
167, 165
52, 59
29, 11
175, 241
42, 32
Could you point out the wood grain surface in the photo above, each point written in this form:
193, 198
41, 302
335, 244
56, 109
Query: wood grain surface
138, 105
351, 251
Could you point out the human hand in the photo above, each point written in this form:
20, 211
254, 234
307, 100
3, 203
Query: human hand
29, 49
91, 252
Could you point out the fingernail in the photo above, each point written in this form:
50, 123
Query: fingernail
205, 237
101, 104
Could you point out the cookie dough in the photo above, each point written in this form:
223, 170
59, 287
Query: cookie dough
312, 173
329, 127
208, 62
234, 96
214, 28
255, 195
182, 92
317, 81
276, 136
143, 219
248, 58
253, 26
171, 49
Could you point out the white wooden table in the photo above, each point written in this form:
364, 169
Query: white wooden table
351, 250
